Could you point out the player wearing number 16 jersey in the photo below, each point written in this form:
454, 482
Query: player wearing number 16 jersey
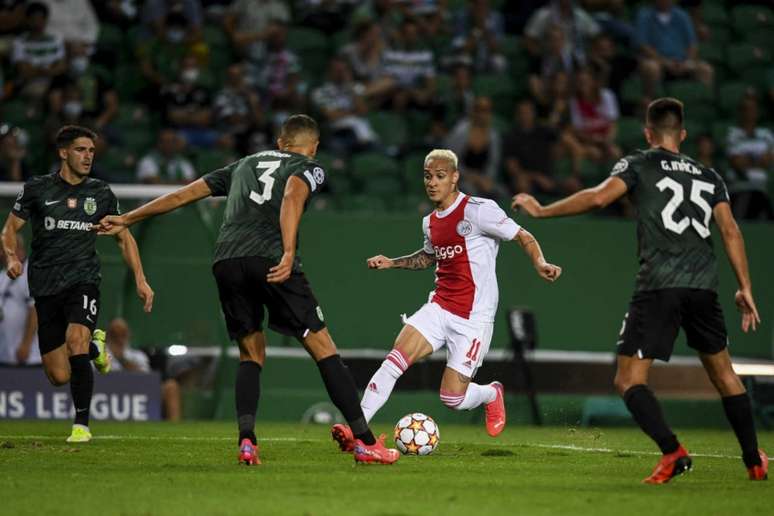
256, 268
461, 239
676, 197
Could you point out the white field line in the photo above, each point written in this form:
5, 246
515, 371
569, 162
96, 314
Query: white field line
568, 447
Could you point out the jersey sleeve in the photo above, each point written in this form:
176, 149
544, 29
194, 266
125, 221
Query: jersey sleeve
219, 181
493, 221
114, 208
427, 244
721, 191
313, 175
625, 170
25, 201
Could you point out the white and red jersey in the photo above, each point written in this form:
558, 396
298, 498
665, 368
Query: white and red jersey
465, 239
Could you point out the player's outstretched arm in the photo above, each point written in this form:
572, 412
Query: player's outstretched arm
131, 254
416, 261
113, 224
13, 225
584, 201
296, 194
734, 244
531, 247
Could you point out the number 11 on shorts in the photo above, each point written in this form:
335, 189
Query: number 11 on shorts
472, 353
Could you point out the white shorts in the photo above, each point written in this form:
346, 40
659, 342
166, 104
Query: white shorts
466, 341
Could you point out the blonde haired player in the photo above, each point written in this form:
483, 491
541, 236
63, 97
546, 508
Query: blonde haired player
461, 238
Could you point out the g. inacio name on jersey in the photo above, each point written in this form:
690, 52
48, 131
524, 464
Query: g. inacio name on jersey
680, 166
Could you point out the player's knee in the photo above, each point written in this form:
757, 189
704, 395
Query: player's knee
622, 383
58, 377
452, 400
728, 383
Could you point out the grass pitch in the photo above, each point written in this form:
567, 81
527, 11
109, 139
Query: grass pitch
190, 469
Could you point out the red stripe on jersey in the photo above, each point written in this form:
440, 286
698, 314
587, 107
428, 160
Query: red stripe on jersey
454, 286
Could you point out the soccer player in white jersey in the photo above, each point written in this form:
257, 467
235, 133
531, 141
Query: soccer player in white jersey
461, 238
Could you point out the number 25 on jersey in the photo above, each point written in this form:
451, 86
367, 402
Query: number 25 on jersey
678, 196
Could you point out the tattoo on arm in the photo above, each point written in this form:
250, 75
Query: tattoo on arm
416, 261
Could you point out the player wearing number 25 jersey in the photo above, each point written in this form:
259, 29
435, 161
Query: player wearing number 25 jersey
256, 269
676, 198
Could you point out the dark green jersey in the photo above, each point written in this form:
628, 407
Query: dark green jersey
674, 196
255, 186
63, 245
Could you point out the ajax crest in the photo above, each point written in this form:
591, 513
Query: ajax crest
464, 228
90, 206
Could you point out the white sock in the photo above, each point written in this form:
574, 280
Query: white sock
382, 382
477, 395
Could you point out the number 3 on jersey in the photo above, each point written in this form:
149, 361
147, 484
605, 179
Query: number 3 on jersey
678, 195
269, 167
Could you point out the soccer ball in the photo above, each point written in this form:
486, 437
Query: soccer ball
416, 434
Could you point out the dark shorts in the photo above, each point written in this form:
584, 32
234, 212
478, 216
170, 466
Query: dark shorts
656, 316
244, 292
78, 304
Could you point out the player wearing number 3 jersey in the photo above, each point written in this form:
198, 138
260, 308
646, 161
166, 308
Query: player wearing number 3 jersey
461, 239
256, 268
676, 197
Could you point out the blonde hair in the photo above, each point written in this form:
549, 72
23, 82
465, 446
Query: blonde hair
444, 154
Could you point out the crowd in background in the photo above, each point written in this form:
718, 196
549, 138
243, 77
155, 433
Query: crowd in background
533, 96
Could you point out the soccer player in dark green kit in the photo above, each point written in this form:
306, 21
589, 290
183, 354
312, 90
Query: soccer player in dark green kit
64, 270
256, 266
676, 286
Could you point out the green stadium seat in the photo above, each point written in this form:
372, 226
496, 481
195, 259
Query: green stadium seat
207, 160
133, 115
631, 90
215, 37
20, 112
384, 186
713, 51
391, 128
742, 56
372, 164
502, 89
698, 99
714, 13
339, 39
418, 123
111, 37
720, 131
630, 134
729, 95
311, 46
361, 203
336, 173
139, 140
118, 164
413, 167
747, 18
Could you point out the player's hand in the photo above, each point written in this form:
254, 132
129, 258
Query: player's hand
22, 354
746, 305
379, 262
527, 203
14, 267
282, 270
111, 225
549, 271
146, 294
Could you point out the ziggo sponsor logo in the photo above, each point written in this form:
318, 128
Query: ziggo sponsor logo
448, 252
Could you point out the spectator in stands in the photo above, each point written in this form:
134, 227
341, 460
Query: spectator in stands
98, 98
750, 149
166, 164
529, 151
457, 101
282, 88
74, 21
160, 58
478, 145
187, 105
611, 67
11, 23
67, 109
609, 14
555, 59
18, 319
37, 56
340, 100
126, 358
668, 46
384, 13
13, 151
577, 26
412, 67
249, 23
328, 16
479, 31
594, 112
705, 152
237, 108
155, 16
365, 56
